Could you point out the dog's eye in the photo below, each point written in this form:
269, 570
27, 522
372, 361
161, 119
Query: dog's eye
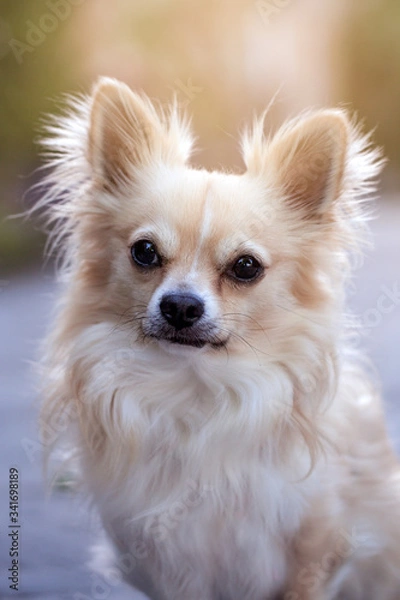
246, 268
145, 254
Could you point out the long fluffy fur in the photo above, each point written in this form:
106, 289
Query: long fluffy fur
220, 474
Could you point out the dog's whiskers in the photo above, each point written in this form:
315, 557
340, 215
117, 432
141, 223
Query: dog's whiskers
298, 314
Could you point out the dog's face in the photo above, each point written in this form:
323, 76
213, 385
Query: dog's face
195, 260
198, 266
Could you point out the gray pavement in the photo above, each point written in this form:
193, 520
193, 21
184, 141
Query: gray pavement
56, 531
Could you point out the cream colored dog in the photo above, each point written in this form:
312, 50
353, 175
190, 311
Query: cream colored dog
224, 428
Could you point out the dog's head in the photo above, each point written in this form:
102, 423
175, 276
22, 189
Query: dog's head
189, 259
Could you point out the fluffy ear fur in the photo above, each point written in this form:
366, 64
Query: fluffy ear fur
103, 139
126, 132
323, 169
305, 160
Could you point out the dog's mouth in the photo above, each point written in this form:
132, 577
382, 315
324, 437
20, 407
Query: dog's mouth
197, 336
195, 343
190, 341
185, 342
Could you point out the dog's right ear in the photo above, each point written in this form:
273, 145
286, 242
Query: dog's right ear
305, 160
126, 133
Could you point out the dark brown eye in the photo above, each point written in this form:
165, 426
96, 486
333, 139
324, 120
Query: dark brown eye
144, 254
246, 268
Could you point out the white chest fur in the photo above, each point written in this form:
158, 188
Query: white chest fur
200, 506
207, 540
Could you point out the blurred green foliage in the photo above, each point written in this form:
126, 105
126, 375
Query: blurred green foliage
31, 76
195, 50
20, 243
35, 67
369, 69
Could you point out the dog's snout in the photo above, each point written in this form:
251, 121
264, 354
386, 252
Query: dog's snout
181, 310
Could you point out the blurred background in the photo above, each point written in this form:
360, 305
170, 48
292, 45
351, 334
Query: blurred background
225, 61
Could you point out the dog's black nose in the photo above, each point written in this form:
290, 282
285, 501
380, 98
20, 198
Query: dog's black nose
181, 310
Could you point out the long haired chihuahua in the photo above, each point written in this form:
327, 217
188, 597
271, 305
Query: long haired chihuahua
201, 362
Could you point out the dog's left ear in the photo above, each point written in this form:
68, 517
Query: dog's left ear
126, 133
306, 161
